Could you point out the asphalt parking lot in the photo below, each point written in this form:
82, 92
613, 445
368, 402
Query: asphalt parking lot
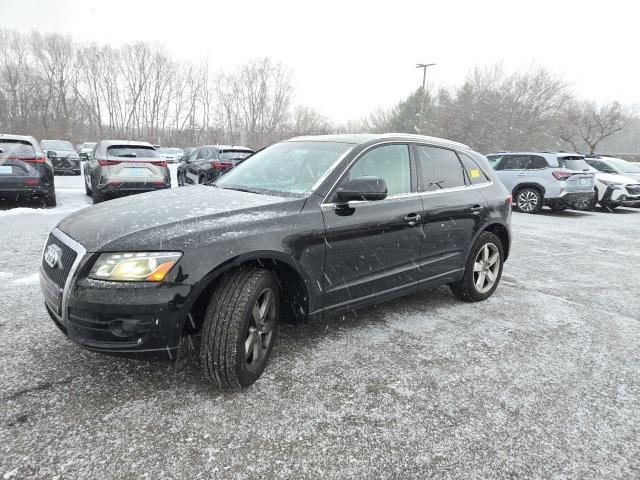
540, 381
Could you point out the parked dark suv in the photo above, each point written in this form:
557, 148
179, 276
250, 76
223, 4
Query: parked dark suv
300, 230
207, 163
25, 171
63, 156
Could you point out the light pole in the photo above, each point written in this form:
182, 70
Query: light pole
424, 67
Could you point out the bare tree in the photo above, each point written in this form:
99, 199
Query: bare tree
587, 124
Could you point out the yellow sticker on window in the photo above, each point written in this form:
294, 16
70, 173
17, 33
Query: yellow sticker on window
475, 173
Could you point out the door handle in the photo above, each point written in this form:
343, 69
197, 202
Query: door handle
476, 209
412, 218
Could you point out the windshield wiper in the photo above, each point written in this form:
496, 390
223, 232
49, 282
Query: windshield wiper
238, 189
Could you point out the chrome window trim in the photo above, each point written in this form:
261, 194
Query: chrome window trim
80, 254
400, 195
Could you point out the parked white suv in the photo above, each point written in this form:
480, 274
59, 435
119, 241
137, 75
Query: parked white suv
615, 190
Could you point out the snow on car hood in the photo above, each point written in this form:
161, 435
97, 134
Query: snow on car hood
614, 177
165, 218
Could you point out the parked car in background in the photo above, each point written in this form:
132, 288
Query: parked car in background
85, 149
615, 190
303, 229
63, 156
25, 171
207, 163
187, 151
558, 180
119, 167
171, 155
615, 166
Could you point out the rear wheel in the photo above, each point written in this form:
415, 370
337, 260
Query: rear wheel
202, 179
98, 197
240, 328
528, 200
586, 204
482, 271
87, 189
180, 180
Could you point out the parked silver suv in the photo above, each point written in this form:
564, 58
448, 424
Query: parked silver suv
119, 167
535, 179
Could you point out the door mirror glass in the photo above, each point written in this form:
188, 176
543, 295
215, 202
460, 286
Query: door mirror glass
363, 188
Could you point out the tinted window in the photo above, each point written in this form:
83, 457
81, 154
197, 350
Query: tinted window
513, 162
389, 162
233, 154
203, 153
474, 172
132, 151
536, 162
573, 163
56, 145
494, 160
440, 168
16, 148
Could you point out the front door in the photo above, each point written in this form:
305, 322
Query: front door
373, 247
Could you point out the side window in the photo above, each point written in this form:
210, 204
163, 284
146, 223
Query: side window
94, 151
494, 160
513, 162
203, 153
474, 172
440, 168
536, 162
389, 162
194, 155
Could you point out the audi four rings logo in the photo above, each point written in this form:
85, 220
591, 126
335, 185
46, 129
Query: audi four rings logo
53, 256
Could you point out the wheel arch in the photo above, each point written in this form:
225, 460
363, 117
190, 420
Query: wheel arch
499, 229
293, 285
534, 185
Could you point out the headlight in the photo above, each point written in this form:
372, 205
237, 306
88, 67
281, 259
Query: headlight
134, 266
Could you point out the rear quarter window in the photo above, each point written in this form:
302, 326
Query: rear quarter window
474, 173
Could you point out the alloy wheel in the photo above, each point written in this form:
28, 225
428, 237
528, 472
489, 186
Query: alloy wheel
486, 268
528, 201
260, 333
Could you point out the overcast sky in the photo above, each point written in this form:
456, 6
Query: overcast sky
350, 57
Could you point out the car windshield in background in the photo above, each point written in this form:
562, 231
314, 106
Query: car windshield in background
88, 146
234, 154
573, 163
287, 168
56, 145
626, 167
132, 151
16, 149
171, 151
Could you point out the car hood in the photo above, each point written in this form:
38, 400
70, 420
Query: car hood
173, 219
614, 177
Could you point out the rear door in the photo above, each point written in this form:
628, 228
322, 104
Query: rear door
372, 247
452, 210
511, 170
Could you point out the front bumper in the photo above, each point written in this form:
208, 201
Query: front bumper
617, 197
63, 165
141, 320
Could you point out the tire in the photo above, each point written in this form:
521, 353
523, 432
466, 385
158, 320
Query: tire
87, 190
467, 287
230, 322
180, 180
201, 179
528, 200
586, 205
50, 199
98, 197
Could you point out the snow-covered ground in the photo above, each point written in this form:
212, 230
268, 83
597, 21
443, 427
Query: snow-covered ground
540, 381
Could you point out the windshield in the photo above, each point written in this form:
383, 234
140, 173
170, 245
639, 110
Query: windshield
287, 168
88, 146
56, 145
133, 151
626, 167
573, 163
16, 149
234, 154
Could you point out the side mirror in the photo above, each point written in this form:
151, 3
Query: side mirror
51, 154
362, 188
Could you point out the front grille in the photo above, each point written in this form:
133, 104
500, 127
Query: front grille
56, 274
633, 189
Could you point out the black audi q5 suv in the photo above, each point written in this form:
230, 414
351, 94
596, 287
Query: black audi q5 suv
303, 229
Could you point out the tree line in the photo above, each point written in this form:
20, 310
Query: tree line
52, 86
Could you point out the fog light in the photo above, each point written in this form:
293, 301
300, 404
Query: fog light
124, 327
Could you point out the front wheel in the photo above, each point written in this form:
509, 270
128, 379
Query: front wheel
240, 328
50, 199
482, 271
528, 200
